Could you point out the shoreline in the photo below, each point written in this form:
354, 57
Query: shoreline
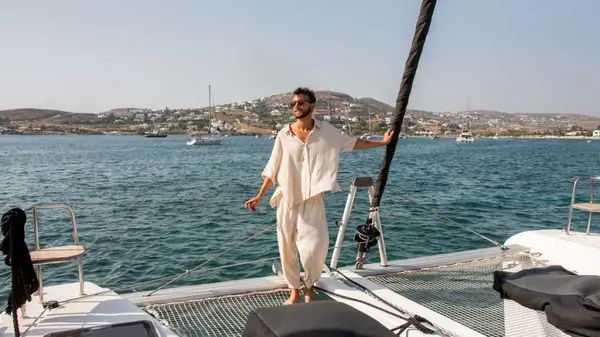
377, 136
520, 137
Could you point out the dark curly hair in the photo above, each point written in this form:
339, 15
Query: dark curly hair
305, 91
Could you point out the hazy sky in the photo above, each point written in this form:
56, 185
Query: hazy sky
91, 56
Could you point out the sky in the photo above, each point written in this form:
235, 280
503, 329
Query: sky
91, 56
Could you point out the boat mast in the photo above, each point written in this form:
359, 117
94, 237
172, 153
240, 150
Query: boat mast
468, 113
348, 123
329, 105
410, 70
370, 121
209, 110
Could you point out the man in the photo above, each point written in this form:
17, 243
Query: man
304, 164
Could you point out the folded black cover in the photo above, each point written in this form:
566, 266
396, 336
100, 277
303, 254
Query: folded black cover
571, 302
315, 319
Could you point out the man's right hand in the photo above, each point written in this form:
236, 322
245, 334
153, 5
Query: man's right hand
252, 203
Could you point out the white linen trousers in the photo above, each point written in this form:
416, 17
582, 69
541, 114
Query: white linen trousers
302, 229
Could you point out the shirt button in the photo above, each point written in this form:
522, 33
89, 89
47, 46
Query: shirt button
302, 158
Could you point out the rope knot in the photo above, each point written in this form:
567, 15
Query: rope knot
416, 321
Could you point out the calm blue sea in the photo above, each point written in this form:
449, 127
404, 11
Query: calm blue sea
166, 207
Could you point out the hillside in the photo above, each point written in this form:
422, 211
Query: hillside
337, 106
373, 103
330, 102
41, 115
30, 114
266, 114
122, 112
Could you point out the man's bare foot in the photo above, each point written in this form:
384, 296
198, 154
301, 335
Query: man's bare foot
309, 295
294, 297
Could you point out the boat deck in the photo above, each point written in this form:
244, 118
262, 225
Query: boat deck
217, 316
453, 291
73, 312
463, 293
455, 296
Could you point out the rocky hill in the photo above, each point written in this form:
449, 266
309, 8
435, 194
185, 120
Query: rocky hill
121, 112
330, 102
270, 111
45, 115
340, 104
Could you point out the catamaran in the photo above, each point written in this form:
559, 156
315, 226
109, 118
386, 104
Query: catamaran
535, 283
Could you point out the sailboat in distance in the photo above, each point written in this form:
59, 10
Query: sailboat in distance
210, 139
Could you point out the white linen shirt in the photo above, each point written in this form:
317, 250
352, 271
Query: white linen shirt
303, 170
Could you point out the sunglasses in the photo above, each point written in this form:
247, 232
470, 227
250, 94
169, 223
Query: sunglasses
299, 103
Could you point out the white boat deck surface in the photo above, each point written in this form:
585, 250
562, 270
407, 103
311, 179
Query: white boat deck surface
93, 311
573, 251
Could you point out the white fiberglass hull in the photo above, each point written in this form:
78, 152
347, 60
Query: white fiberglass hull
204, 141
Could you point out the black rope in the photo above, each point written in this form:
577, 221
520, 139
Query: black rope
410, 320
414, 320
24, 279
362, 302
410, 70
